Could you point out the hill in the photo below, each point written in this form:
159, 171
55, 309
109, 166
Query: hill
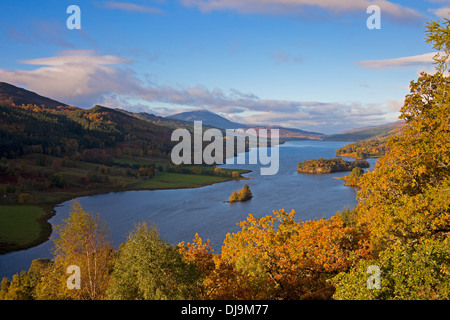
208, 118
365, 133
214, 120
10, 94
163, 121
293, 134
31, 123
373, 147
25, 129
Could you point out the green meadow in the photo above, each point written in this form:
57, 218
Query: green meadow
21, 226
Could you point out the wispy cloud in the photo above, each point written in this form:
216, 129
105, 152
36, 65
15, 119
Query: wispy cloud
131, 7
441, 12
390, 9
78, 77
84, 78
418, 60
284, 57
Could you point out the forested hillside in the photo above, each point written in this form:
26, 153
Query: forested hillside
373, 147
366, 133
67, 131
12, 95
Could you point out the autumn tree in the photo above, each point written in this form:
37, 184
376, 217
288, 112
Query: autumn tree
235, 174
406, 198
220, 279
149, 268
285, 259
242, 195
404, 202
354, 177
22, 286
234, 197
81, 241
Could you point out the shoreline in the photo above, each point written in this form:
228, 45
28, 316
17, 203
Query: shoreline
49, 208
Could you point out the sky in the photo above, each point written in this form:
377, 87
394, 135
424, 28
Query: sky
307, 64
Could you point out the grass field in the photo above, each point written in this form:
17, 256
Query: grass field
20, 225
167, 180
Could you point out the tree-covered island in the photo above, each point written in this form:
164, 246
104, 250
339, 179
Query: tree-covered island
322, 166
242, 195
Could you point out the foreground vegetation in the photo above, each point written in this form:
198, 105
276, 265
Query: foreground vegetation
401, 225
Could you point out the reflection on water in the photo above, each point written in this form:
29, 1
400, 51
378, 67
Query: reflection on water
181, 213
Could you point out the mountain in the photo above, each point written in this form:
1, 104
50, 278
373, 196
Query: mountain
363, 133
10, 94
212, 119
163, 121
292, 134
31, 123
208, 118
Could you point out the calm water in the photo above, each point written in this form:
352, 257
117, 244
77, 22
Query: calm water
180, 213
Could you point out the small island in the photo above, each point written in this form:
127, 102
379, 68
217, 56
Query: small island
322, 166
242, 195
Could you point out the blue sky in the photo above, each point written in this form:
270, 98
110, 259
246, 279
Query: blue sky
312, 65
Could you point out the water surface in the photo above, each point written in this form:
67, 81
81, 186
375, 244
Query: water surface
181, 213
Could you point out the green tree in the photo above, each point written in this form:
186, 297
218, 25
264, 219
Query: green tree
407, 273
149, 268
354, 177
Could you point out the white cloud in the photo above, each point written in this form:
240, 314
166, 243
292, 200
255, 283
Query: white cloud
84, 78
394, 105
77, 77
418, 60
389, 8
441, 12
131, 7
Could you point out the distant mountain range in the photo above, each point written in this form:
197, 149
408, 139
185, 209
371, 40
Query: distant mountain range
10, 94
214, 120
208, 118
364, 133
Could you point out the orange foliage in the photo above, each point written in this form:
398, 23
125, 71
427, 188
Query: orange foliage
275, 257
